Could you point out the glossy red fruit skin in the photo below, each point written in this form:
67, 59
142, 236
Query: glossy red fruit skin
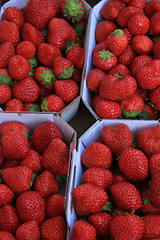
154, 195
127, 56
156, 49
52, 103
155, 24
32, 161
13, 105
7, 51
77, 56
6, 235
152, 7
138, 62
151, 112
94, 78
142, 44
133, 103
9, 32
100, 46
103, 30
15, 125
154, 97
82, 228
104, 65
151, 226
26, 49
121, 70
139, 4
28, 230
5, 93
138, 24
6, 195
55, 205
154, 164
108, 109
59, 64
111, 10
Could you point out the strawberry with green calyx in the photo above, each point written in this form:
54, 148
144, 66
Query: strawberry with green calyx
33, 62
120, 70
104, 60
52, 103
83, 229
60, 179
72, 9
14, 105
31, 107
4, 77
15, 125
149, 112
62, 67
80, 27
45, 76
76, 55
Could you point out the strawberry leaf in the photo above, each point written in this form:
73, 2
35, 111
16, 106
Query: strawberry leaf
26, 133
73, 10
69, 45
118, 32
67, 73
60, 179
32, 180
44, 106
48, 77
131, 114
79, 28
147, 200
105, 55
33, 61
34, 108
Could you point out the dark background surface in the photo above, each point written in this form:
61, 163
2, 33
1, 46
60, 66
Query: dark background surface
83, 119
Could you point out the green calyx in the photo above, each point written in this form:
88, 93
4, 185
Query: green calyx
67, 73
108, 207
1, 180
4, 80
48, 77
32, 180
26, 133
45, 33
73, 10
147, 200
34, 108
118, 32
33, 62
119, 77
131, 114
79, 29
105, 55
69, 45
44, 106
60, 179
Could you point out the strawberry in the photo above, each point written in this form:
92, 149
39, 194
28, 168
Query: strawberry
118, 177
7, 50
89, 198
29, 230
83, 229
55, 205
155, 24
117, 137
52, 103
60, 32
120, 70
152, 7
128, 34
147, 76
151, 112
126, 196
156, 49
43, 134
154, 97
94, 79
18, 67
108, 109
31, 107
53, 228
46, 184
6, 235
117, 88
39, 16
154, 164
126, 227
10, 164
9, 32
32, 161
4, 77
5, 93
32, 34
103, 30
154, 190
77, 75
6, 195
133, 164
138, 62
56, 157
26, 90
76, 55
15, 125
97, 155
45, 77
117, 42
142, 44
127, 56
14, 14
44, 93
104, 60
98, 176
30, 206
9, 219
151, 226
62, 67
142, 93
111, 9
14, 105
15, 145
100, 47
66, 89
138, 24
72, 10
136, 3
26, 49
101, 222
1, 157
97, 98
46, 52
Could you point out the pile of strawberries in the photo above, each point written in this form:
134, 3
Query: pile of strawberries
125, 79
120, 195
41, 55
32, 167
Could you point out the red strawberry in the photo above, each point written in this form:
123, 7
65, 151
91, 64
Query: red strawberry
45, 77
138, 24
19, 67
151, 112
118, 177
26, 90
126, 196
128, 34
120, 70
103, 30
44, 93
127, 56
152, 7
111, 9
14, 105
133, 164
94, 79
52, 103
55, 205
108, 109
97, 98
100, 47
6, 235
85, 230
138, 3
14, 14
30, 206
97, 155
89, 198
142, 44
98, 176
104, 60
66, 89
60, 32
155, 24
148, 140
117, 42
101, 222
126, 227
4, 77
46, 52
156, 49
117, 137
31, 107
32, 161
26, 49
53, 228
10, 164
62, 67
138, 62
154, 164
7, 50
43, 134
9, 219
151, 226
142, 93
9, 32
77, 75
15, 125
115, 88
6, 195
32, 34
29, 230
39, 16
15, 145
154, 97
56, 157
154, 190
76, 55
5, 93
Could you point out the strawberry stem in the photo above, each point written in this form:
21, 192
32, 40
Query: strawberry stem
105, 55
118, 32
73, 9
67, 73
48, 77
